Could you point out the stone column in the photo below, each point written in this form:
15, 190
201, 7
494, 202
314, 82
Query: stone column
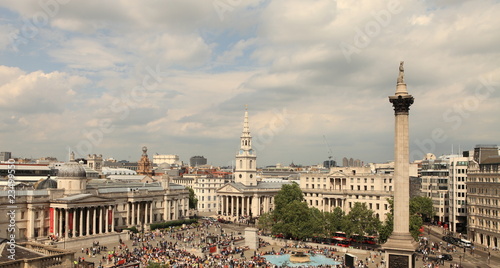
226, 205
139, 218
133, 219
66, 223
80, 232
400, 245
127, 220
255, 206
146, 212
237, 207
168, 209
42, 223
176, 209
112, 208
74, 223
94, 221
87, 225
105, 211
60, 215
30, 232
99, 220
165, 211
151, 212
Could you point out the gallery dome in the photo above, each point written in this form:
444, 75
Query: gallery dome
45, 184
71, 169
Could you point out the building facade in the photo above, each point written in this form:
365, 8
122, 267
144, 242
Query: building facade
75, 209
483, 197
344, 186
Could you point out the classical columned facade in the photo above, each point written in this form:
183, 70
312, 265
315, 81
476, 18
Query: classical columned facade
72, 222
330, 203
139, 212
238, 200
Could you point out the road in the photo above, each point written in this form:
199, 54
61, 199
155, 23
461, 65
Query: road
478, 259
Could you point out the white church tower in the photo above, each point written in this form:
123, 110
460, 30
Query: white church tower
246, 164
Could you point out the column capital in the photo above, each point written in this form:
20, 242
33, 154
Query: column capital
401, 103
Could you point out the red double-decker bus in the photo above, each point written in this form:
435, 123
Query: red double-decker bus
341, 242
339, 235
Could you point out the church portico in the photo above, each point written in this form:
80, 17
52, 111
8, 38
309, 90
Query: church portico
77, 216
236, 205
247, 196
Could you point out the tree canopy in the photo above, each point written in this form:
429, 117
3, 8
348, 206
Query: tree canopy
361, 221
287, 194
193, 201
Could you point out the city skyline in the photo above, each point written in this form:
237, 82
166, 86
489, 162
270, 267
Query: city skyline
110, 77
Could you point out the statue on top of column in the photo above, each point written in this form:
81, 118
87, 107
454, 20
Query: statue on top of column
401, 79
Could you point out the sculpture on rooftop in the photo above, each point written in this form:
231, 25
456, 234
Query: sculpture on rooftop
401, 79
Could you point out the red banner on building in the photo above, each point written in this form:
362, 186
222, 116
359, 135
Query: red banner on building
110, 217
51, 220
70, 222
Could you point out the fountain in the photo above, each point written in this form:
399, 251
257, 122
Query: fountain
299, 256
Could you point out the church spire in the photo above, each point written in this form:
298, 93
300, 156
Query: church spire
246, 128
246, 168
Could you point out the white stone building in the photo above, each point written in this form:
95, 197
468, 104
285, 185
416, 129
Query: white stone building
170, 159
344, 186
205, 189
76, 210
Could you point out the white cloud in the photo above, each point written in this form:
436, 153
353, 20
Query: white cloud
36, 92
271, 55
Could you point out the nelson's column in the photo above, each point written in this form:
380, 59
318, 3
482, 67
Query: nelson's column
400, 246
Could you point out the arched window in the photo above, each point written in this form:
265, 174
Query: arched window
251, 161
241, 163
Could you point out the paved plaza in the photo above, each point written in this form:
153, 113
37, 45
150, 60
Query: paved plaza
187, 248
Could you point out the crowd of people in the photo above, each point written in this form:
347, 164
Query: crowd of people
200, 245
210, 244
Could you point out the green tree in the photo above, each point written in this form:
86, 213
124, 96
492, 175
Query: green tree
334, 221
193, 201
388, 226
421, 205
361, 220
297, 221
420, 208
266, 222
287, 194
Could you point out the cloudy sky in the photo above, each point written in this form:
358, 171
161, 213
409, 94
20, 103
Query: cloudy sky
108, 77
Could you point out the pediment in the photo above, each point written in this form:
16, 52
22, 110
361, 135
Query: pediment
84, 199
228, 188
337, 174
